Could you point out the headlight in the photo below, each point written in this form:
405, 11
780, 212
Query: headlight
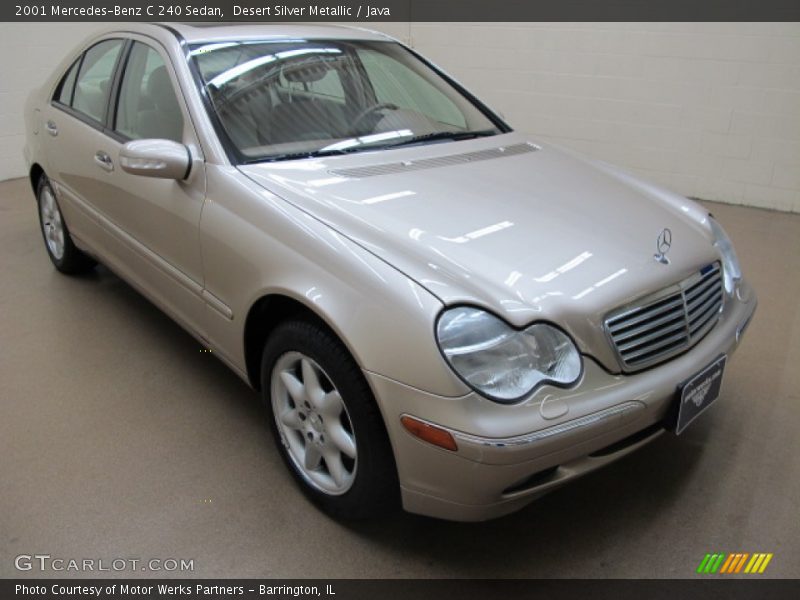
731, 271
500, 362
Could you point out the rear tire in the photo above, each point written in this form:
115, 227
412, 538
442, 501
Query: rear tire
62, 251
326, 423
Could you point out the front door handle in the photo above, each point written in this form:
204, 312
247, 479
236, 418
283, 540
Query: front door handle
104, 161
51, 128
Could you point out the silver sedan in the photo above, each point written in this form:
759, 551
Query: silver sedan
440, 313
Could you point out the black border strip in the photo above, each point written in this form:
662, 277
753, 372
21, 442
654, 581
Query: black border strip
406, 10
706, 587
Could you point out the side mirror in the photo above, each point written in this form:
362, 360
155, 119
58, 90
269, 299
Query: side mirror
156, 158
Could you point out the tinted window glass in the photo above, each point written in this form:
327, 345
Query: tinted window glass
148, 107
94, 79
64, 92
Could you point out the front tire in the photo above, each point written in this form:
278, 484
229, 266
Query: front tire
62, 251
326, 422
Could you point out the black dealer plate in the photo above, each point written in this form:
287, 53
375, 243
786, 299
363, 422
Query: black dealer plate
699, 393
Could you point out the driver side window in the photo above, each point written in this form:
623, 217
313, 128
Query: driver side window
147, 105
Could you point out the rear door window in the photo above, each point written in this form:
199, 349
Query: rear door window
63, 94
93, 83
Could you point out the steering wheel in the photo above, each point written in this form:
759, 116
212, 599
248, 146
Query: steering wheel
370, 110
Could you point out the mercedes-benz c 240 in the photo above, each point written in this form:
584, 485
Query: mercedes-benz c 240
439, 312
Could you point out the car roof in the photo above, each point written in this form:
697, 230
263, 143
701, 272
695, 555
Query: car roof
217, 32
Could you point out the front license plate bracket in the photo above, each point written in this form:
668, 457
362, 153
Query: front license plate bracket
698, 393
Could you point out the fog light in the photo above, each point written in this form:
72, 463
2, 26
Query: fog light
429, 433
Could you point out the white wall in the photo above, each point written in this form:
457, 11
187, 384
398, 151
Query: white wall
28, 54
707, 109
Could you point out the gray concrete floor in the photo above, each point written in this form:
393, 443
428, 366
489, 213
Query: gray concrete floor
119, 438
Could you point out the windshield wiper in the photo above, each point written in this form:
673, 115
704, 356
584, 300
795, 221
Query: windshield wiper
417, 139
296, 156
453, 136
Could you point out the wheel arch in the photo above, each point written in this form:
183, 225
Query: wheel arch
266, 313
35, 174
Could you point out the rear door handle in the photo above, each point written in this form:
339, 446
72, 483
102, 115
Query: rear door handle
51, 128
104, 161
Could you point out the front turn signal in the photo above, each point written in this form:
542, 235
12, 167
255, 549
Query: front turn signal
429, 433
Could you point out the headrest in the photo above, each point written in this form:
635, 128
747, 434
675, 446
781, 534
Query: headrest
306, 70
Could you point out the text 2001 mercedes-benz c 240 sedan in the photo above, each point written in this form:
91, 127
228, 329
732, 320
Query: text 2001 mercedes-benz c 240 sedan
438, 311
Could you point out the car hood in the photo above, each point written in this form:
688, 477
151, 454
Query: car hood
527, 230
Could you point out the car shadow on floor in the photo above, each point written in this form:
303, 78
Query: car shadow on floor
168, 335
621, 500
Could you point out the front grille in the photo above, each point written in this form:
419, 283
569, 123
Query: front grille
668, 322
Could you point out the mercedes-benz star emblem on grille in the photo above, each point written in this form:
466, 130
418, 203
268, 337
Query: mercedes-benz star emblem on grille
663, 244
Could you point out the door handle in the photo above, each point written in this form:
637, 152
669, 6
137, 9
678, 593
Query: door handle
104, 161
51, 128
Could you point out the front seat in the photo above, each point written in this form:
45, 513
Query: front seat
299, 119
165, 119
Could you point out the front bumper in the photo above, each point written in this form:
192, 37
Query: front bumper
509, 455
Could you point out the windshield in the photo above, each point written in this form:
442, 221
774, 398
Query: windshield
277, 100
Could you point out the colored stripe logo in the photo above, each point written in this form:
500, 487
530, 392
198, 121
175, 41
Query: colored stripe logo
736, 562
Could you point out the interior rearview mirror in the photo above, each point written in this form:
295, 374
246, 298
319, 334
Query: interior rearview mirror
155, 158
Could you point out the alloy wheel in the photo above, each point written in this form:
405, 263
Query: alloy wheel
52, 223
314, 424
